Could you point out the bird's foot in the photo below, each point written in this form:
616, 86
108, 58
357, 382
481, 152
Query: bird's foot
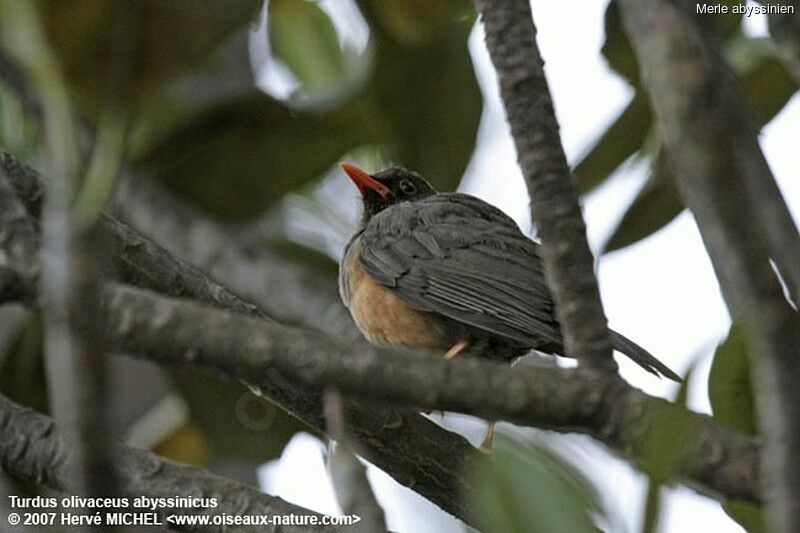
486, 443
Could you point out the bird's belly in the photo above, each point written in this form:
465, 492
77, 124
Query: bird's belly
384, 318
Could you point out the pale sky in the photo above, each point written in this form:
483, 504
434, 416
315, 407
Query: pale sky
661, 292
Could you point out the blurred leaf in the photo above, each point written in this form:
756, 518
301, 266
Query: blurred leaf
231, 420
730, 391
414, 22
666, 434
620, 140
238, 158
768, 86
661, 455
526, 488
721, 27
747, 515
145, 42
657, 204
225, 76
425, 99
617, 48
22, 373
730, 388
303, 37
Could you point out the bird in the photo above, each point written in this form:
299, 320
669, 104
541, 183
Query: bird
449, 272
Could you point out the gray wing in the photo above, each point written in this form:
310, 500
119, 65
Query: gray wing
460, 257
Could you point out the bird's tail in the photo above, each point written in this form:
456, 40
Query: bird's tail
641, 357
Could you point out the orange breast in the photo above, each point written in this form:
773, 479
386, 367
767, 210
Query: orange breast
381, 316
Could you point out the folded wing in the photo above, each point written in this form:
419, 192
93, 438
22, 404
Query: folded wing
460, 257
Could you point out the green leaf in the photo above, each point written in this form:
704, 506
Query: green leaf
617, 48
238, 158
303, 37
235, 422
667, 429
657, 204
423, 101
721, 27
621, 140
129, 50
730, 388
417, 22
747, 515
526, 488
768, 86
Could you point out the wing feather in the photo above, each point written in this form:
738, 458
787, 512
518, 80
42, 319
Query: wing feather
464, 259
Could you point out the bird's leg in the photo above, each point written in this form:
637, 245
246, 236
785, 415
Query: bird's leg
486, 443
457, 349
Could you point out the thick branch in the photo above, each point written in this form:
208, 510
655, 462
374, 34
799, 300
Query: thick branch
715, 460
33, 448
569, 265
712, 147
415, 451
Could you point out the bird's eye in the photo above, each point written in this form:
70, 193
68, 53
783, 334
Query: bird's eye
407, 187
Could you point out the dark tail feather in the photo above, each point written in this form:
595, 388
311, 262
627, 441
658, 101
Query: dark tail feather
641, 356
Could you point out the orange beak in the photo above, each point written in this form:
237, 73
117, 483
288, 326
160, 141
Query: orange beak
364, 181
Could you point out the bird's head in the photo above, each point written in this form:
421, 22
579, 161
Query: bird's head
386, 188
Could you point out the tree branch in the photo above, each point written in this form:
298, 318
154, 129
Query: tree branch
714, 460
286, 287
138, 260
712, 147
568, 262
415, 451
34, 449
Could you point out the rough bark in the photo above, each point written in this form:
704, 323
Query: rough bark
713, 150
712, 459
